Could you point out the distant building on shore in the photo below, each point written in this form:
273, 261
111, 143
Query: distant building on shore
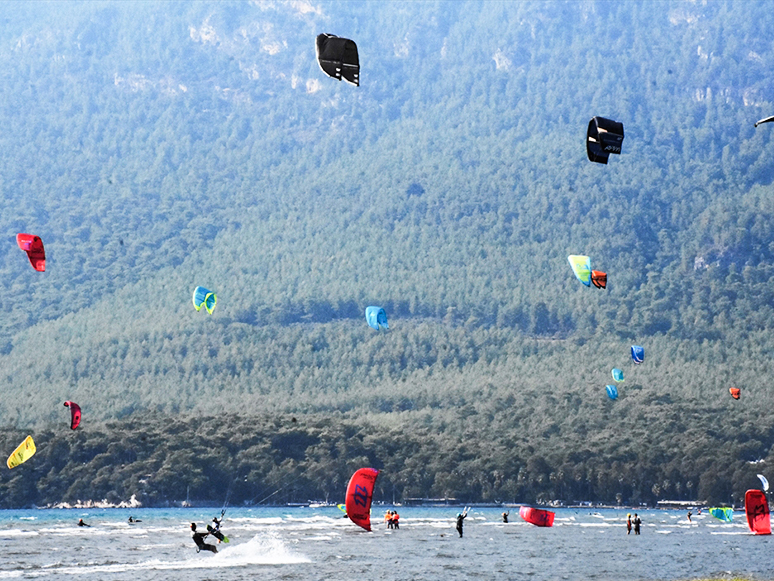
680, 503
430, 502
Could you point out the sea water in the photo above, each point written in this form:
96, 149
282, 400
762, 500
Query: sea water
317, 543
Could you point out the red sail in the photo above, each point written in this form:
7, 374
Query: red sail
537, 516
756, 507
75, 414
360, 491
599, 279
33, 246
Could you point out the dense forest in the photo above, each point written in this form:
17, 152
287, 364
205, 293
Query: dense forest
159, 146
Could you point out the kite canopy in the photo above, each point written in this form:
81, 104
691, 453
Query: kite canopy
756, 507
764, 120
337, 58
581, 266
618, 375
376, 318
360, 491
599, 279
724, 514
75, 414
537, 516
33, 246
204, 298
735, 392
638, 354
23, 453
603, 137
764, 482
612, 391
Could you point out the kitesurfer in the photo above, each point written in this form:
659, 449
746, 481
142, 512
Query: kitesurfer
689, 516
198, 538
215, 530
505, 516
629, 523
461, 517
133, 520
388, 518
395, 519
82, 524
637, 523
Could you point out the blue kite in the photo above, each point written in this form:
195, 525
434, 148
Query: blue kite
376, 318
204, 298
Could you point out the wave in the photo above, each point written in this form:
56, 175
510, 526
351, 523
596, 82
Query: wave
266, 549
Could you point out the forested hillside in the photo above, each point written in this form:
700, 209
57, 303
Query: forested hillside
159, 146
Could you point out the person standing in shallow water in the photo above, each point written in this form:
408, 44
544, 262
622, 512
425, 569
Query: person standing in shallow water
461, 517
637, 523
629, 524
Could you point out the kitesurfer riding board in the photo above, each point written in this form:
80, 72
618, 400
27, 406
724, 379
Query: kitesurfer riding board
198, 538
215, 530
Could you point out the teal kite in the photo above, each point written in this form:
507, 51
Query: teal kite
618, 375
581, 266
724, 514
204, 298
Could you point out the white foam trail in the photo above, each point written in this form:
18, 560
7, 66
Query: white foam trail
260, 550
17, 533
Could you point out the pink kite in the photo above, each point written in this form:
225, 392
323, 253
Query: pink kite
33, 246
75, 413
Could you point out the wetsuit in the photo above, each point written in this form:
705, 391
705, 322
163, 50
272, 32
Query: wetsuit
198, 538
628, 525
637, 523
82, 524
505, 517
460, 518
395, 519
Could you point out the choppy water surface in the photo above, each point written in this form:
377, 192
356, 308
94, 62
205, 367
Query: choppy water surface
308, 543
